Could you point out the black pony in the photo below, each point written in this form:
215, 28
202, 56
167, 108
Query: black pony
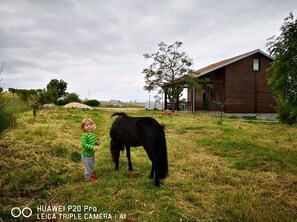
140, 131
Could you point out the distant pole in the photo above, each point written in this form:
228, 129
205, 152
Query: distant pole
165, 100
149, 100
1, 70
162, 105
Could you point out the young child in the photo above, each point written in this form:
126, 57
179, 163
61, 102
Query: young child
89, 146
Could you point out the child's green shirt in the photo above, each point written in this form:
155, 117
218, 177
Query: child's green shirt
88, 142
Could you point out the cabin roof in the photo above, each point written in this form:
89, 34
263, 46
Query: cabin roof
218, 65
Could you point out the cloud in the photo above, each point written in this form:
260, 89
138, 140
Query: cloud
97, 47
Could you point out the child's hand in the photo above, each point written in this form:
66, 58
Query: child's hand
98, 143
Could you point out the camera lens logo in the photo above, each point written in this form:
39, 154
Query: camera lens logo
17, 212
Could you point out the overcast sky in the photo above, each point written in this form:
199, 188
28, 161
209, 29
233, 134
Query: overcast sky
97, 46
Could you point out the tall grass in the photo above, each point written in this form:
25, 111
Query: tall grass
240, 171
6, 117
10, 106
7, 112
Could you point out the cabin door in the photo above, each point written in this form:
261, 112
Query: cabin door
205, 101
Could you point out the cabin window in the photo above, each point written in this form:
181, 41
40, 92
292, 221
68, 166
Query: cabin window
256, 64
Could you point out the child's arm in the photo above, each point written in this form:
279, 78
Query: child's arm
84, 144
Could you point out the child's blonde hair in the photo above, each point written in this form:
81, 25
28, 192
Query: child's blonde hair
85, 120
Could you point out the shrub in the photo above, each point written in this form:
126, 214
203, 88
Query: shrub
72, 97
92, 102
287, 113
75, 156
59, 151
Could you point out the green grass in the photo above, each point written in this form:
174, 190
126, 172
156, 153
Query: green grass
240, 171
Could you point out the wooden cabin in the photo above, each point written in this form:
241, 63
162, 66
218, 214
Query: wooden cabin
239, 85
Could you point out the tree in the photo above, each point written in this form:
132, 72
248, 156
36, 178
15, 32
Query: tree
71, 97
284, 67
56, 88
47, 96
30, 97
172, 94
27, 95
168, 67
217, 96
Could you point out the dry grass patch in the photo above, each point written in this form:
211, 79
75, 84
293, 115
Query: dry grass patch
240, 171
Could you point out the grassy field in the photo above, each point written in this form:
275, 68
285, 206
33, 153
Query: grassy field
240, 171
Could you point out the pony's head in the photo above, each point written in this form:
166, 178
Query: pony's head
115, 148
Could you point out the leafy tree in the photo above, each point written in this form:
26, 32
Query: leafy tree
172, 95
12, 90
56, 88
34, 98
46, 96
27, 95
30, 97
168, 67
71, 97
284, 78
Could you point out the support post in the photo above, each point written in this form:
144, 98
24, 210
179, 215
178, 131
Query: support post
194, 100
165, 99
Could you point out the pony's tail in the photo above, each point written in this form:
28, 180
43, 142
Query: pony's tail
161, 153
119, 114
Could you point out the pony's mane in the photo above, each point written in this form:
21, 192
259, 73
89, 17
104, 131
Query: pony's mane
119, 114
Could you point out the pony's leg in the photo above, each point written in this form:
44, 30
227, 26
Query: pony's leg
152, 174
154, 171
116, 159
157, 181
157, 176
129, 157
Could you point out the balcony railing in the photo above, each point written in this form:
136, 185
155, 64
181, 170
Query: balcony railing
199, 106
